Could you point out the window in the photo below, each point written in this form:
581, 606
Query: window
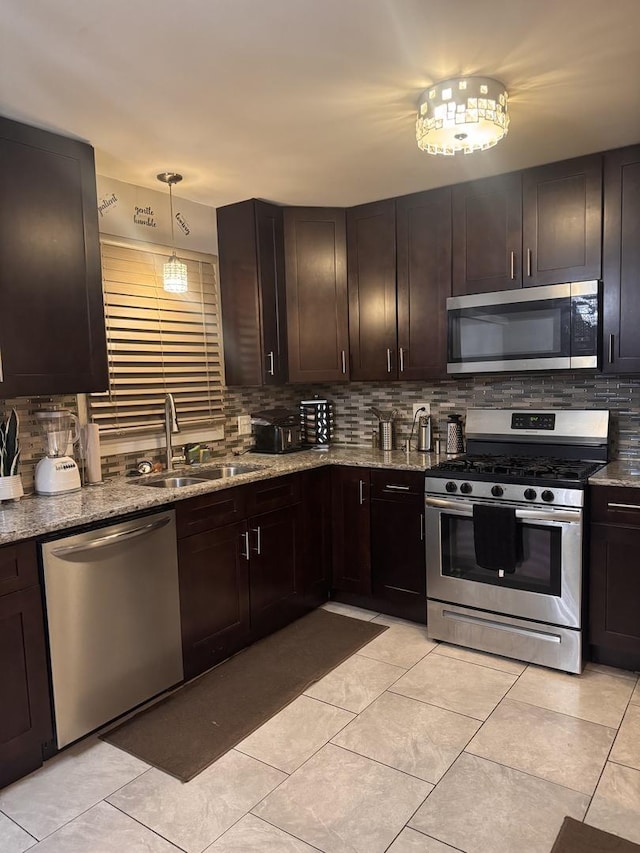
158, 342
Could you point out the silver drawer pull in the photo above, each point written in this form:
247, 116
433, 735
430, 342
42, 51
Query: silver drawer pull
397, 488
502, 626
623, 506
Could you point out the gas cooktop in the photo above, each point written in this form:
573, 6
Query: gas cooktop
521, 468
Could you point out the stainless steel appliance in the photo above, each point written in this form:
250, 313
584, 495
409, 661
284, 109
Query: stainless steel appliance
113, 620
505, 532
276, 431
557, 327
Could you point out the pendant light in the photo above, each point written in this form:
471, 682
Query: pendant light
462, 114
174, 273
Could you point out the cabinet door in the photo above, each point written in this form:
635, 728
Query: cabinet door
621, 261
251, 258
351, 546
487, 235
214, 596
314, 566
614, 602
316, 288
52, 333
397, 542
25, 709
371, 266
275, 550
562, 221
424, 283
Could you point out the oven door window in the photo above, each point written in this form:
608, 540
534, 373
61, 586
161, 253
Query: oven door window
539, 564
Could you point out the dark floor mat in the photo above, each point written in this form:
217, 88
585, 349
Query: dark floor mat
577, 837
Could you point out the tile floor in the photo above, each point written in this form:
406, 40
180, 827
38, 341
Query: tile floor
409, 747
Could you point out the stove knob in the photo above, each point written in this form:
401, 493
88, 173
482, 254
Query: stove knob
497, 491
547, 496
466, 488
451, 486
530, 494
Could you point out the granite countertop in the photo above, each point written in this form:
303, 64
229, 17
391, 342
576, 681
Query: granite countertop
36, 515
622, 472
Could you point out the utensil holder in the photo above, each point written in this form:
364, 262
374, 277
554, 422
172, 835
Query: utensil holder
387, 435
11, 488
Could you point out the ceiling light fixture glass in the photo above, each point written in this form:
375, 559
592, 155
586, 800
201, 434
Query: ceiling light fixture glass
174, 272
462, 114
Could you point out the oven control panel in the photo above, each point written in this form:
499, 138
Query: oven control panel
511, 493
533, 420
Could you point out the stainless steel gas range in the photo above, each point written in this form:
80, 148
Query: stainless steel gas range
504, 529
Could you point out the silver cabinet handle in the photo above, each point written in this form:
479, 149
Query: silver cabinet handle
513, 265
256, 530
529, 261
344, 361
623, 506
245, 539
271, 371
401, 352
111, 538
388, 360
361, 492
611, 340
397, 488
422, 527
1, 368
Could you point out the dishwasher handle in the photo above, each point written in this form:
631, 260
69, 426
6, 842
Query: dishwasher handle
112, 538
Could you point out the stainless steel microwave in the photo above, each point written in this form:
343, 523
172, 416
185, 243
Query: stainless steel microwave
556, 327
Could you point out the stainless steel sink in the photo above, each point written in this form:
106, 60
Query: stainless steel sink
173, 481
225, 471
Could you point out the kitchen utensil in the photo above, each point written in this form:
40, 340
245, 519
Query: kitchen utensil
386, 427
455, 443
57, 473
424, 434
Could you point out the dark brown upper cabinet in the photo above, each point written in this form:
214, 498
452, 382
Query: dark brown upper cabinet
252, 292
52, 333
371, 268
316, 287
424, 282
621, 261
540, 226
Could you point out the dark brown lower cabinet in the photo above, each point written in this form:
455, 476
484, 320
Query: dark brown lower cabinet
351, 544
315, 575
614, 584
398, 570
25, 707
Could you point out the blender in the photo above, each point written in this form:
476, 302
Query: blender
57, 473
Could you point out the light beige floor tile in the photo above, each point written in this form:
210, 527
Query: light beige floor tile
515, 667
400, 645
296, 733
455, 685
67, 785
635, 698
13, 839
104, 829
611, 670
385, 619
626, 749
591, 696
482, 807
410, 841
355, 683
253, 835
616, 804
339, 802
349, 610
194, 814
419, 739
552, 746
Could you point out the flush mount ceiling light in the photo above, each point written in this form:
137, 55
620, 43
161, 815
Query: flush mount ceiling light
174, 272
462, 114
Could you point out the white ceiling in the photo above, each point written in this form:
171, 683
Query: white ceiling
313, 101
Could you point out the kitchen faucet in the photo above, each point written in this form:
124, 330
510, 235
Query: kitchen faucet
170, 425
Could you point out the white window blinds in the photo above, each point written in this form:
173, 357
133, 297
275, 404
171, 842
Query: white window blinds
158, 342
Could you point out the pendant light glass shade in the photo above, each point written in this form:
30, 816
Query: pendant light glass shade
174, 272
462, 114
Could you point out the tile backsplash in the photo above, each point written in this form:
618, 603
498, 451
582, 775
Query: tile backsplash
355, 423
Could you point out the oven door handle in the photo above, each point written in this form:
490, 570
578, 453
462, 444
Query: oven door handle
548, 516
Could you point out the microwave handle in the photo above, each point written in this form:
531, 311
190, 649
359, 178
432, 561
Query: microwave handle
465, 508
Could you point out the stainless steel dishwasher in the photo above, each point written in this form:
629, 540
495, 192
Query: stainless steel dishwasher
113, 617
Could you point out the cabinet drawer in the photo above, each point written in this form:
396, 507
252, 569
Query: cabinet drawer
213, 510
615, 505
397, 485
18, 567
273, 494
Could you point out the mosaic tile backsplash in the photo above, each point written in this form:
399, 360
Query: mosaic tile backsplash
355, 423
